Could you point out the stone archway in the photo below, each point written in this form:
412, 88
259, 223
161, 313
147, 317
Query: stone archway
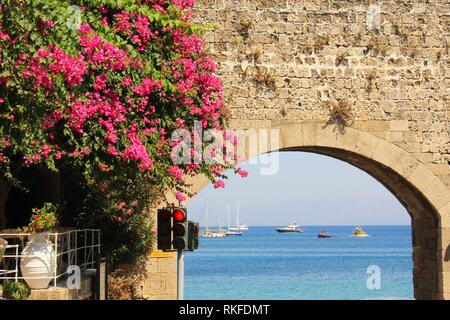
425, 196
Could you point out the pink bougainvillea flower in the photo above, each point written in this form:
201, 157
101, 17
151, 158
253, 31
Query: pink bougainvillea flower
137, 152
219, 184
241, 172
85, 29
45, 151
176, 172
180, 197
4, 36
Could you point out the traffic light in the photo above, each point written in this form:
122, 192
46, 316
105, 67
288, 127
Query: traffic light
179, 226
193, 234
164, 229
174, 232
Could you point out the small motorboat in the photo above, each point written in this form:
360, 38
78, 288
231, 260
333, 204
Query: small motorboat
324, 234
291, 228
359, 232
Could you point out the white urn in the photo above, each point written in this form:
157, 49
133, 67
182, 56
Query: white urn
38, 261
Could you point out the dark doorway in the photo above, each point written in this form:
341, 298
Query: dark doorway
40, 186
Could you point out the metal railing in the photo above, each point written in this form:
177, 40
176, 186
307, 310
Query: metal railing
79, 248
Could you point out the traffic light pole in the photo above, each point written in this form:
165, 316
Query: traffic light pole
180, 274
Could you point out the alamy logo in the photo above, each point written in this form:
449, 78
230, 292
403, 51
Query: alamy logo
227, 147
74, 278
374, 280
373, 17
74, 20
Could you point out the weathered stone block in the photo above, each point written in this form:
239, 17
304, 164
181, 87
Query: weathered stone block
394, 136
167, 265
399, 125
309, 133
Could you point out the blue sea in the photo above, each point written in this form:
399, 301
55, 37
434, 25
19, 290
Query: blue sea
264, 264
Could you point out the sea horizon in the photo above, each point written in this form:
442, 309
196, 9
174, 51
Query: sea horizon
320, 225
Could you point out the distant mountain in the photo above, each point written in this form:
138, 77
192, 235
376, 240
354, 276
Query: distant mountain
316, 212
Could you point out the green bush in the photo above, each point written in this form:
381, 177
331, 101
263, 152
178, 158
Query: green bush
15, 290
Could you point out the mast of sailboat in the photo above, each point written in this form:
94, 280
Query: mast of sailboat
237, 215
221, 218
228, 213
206, 215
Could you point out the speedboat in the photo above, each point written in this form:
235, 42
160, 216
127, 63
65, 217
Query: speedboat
359, 232
290, 228
324, 234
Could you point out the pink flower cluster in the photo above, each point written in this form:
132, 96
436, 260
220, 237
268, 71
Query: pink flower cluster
4, 36
44, 25
123, 112
146, 87
219, 184
241, 172
3, 159
176, 172
194, 78
188, 43
51, 119
162, 4
37, 71
101, 53
180, 197
136, 27
183, 4
137, 152
72, 68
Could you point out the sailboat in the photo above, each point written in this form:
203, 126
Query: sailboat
211, 233
238, 227
231, 232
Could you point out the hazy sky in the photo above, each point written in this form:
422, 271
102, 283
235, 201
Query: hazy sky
310, 189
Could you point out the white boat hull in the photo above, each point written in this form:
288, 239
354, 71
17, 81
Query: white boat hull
238, 228
289, 230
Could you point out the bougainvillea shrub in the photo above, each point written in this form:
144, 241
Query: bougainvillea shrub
99, 86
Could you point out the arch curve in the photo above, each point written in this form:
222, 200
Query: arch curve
421, 192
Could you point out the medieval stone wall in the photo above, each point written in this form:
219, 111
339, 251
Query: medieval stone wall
291, 61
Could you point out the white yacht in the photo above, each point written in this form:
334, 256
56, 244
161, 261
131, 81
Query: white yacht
290, 228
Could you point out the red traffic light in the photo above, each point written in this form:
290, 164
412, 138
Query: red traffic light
179, 215
196, 228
